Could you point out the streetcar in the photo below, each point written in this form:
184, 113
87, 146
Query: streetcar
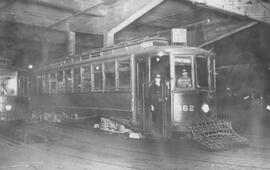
13, 92
114, 82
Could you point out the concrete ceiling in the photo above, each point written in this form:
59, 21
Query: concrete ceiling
26, 24
255, 9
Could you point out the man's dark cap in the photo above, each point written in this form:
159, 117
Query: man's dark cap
158, 76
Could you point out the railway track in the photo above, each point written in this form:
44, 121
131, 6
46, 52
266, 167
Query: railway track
5, 141
218, 162
13, 142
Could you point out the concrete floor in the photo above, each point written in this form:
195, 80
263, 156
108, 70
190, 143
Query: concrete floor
87, 149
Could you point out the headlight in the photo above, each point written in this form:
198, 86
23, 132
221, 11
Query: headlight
8, 107
268, 107
205, 108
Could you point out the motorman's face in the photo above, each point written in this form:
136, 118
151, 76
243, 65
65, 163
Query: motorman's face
157, 79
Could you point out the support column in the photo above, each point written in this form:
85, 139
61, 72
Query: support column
109, 35
70, 43
45, 51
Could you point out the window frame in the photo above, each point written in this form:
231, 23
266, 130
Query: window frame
54, 80
63, 90
66, 81
208, 71
118, 70
93, 65
109, 71
73, 79
39, 83
192, 74
87, 75
7, 88
46, 88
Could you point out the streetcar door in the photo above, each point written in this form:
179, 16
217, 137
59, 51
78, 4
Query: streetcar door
142, 77
160, 64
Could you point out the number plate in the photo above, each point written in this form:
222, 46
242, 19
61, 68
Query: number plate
187, 108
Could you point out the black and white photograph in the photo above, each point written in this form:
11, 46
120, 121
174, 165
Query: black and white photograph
134, 84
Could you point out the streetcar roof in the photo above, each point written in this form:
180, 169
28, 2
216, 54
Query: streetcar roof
11, 71
8, 72
121, 51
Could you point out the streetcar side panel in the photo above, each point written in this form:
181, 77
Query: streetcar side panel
103, 103
13, 94
13, 108
100, 87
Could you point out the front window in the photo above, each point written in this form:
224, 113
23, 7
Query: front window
202, 72
8, 86
183, 76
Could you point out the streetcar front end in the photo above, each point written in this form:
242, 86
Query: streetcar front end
193, 90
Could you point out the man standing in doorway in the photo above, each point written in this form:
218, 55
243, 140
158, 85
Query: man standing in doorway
156, 104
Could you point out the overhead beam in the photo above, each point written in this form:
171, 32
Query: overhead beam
66, 8
20, 11
25, 32
109, 36
6, 4
75, 15
229, 33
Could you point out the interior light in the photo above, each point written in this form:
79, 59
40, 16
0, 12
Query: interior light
268, 107
157, 59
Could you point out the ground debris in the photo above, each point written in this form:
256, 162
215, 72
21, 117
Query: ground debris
113, 126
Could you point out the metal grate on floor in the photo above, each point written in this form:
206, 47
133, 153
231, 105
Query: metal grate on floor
217, 135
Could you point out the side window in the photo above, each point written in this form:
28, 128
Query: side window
24, 86
124, 74
60, 82
183, 76
33, 88
109, 75
86, 78
39, 84
20, 86
68, 80
52, 82
45, 81
202, 72
212, 74
9, 85
98, 76
77, 79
